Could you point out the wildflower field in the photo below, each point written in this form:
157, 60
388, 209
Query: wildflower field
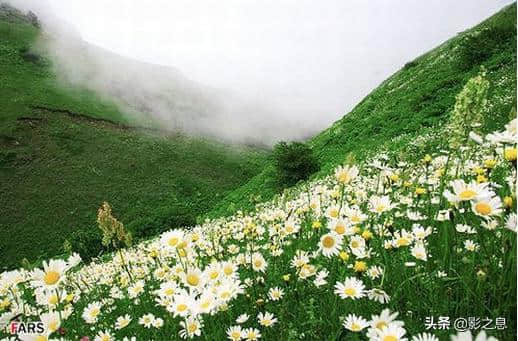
406, 233
399, 247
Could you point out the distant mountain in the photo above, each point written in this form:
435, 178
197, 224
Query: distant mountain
416, 99
66, 149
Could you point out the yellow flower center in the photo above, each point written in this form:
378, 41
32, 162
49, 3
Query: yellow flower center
360, 266
380, 208
258, 263
334, 213
228, 270
350, 292
340, 229
192, 327
53, 326
105, 338
173, 241
53, 299
328, 242
193, 279
169, 291
355, 327
467, 194
51, 277
236, 335
483, 208
354, 244
181, 307
41, 338
402, 241
390, 338
344, 178
214, 275
380, 325
510, 154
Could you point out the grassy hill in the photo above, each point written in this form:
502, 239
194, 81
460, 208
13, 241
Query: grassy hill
65, 150
416, 99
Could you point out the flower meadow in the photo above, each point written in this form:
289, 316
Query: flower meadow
373, 251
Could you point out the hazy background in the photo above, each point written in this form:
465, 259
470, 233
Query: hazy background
264, 70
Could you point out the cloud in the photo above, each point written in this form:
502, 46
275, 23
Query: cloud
257, 70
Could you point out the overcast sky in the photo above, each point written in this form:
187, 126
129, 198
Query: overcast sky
312, 60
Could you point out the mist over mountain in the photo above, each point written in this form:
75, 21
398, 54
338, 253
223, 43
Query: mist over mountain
246, 72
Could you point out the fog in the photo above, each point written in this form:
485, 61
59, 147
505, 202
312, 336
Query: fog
247, 71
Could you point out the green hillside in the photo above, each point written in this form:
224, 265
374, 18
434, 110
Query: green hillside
63, 151
416, 99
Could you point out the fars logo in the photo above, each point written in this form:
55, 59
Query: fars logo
20, 327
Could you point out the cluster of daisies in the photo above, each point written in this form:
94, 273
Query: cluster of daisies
244, 277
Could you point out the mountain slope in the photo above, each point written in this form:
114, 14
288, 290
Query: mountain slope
415, 99
64, 150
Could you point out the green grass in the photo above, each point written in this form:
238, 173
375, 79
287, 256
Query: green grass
57, 166
417, 98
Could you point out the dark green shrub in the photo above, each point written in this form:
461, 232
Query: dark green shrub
410, 65
293, 162
87, 242
161, 220
30, 56
475, 49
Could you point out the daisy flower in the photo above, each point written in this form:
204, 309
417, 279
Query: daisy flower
242, 318
104, 336
275, 294
181, 305
375, 271
466, 336
354, 215
470, 245
266, 320
346, 174
193, 278
487, 207
158, 322
258, 262
356, 243
379, 205
51, 275
419, 251
425, 337
350, 288
355, 323
172, 239
299, 259
234, 333
330, 244
122, 321
511, 222
146, 320
321, 278
91, 312
465, 192
338, 226
51, 320
392, 332
167, 289
384, 319
378, 295
251, 334
191, 327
